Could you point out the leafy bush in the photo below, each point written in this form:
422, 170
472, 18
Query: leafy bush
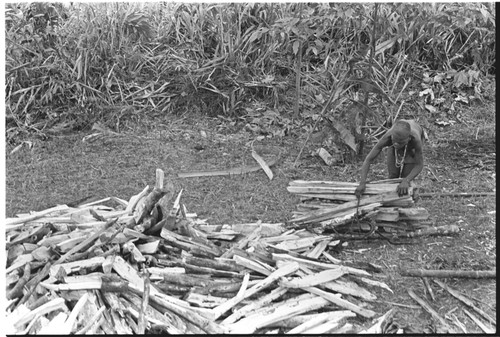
110, 61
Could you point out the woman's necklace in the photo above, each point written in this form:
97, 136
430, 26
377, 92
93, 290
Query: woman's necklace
400, 162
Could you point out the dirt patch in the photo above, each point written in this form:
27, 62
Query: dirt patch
65, 169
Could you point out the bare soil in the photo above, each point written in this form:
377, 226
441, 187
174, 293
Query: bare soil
458, 158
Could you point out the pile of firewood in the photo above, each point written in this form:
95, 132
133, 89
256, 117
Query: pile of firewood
331, 205
148, 266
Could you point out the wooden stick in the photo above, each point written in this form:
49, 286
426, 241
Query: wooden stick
479, 323
144, 304
229, 172
449, 273
465, 300
458, 195
221, 309
428, 287
430, 310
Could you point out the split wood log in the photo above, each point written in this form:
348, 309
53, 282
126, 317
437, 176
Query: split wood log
323, 328
185, 312
465, 300
287, 309
320, 318
227, 305
330, 213
231, 171
145, 207
257, 266
217, 263
314, 279
449, 273
173, 324
318, 249
295, 321
189, 244
377, 327
243, 243
349, 288
262, 164
431, 311
204, 301
255, 304
53, 305
266, 229
310, 263
322, 187
335, 298
17, 290
14, 223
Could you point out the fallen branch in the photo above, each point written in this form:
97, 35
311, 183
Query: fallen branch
227, 172
479, 323
465, 300
449, 273
430, 310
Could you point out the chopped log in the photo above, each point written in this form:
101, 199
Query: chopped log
266, 229
166, 302
53, 305
319, 248
295, 321
300, 243
204, 301
449, 273
377, 327
17, 290
323, 328
217, 263
144, 208
465, 300
431, 311
314, 279
188, 244
318, 265
149, 247
243, 243
231, 171
262, 164
349, 288
318, 319
255, 304
257, 266
335, 298
288, 309
227, 305
141, 326
73, 267
14, 223
95, 318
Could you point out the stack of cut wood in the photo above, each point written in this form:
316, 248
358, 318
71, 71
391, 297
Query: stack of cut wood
148, 266
333, 204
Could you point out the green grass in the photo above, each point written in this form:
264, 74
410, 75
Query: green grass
64, 169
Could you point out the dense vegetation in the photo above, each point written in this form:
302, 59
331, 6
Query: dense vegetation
351, 63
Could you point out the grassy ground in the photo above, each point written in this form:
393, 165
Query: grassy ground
459, 158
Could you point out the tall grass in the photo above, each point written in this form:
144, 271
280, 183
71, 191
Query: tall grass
113, 60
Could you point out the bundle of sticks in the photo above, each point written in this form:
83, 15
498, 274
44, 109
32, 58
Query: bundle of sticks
148, 266
332, 204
